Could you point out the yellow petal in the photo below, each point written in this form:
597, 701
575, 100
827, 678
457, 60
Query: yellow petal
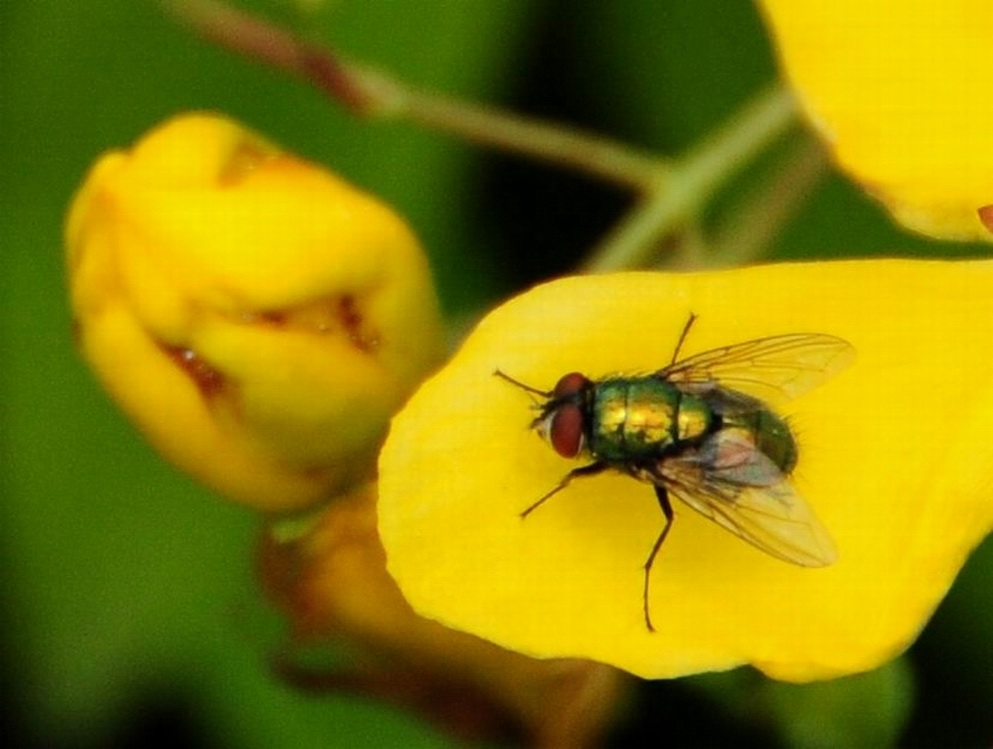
894, 458
898, 90
258, 317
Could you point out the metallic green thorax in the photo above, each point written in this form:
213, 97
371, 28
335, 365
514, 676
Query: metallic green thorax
644, 418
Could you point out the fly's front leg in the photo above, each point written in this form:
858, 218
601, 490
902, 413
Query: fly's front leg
591, 470
663, 497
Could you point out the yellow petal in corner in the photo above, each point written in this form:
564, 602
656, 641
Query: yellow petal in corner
898, 90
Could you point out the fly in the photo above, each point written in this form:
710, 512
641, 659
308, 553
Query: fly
689, 430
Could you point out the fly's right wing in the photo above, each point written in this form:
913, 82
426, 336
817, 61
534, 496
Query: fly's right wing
738, 487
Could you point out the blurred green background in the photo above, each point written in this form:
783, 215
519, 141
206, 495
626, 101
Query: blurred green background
129, 612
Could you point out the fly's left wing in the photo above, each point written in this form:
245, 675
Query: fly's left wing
774, 369
734, 484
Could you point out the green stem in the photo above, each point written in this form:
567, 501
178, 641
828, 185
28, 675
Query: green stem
753, 224
684, 189
580, 151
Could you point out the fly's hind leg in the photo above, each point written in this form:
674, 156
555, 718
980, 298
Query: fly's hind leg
663, 497
591, 470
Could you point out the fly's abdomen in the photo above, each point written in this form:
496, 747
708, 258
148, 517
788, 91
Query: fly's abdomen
643, 418
770, 434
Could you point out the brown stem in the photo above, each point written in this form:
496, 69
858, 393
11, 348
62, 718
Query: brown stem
369, 93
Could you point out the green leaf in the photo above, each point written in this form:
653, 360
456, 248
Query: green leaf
867, 710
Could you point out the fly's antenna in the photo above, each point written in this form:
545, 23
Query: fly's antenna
521, 385
682, 337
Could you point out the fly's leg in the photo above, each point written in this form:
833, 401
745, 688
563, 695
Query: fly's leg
591, 470
663, 497
682, 337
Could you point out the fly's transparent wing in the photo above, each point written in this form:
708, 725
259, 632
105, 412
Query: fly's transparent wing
774, 369
731, 482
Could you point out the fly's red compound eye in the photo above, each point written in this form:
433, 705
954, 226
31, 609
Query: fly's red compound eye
570, 384
566, 430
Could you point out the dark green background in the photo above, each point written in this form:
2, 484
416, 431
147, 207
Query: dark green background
129, 609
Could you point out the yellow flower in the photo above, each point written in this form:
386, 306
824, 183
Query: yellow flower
894, 459
332, 583
258, 317
897, 87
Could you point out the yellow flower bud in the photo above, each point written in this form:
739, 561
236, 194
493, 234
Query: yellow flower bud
258, 317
